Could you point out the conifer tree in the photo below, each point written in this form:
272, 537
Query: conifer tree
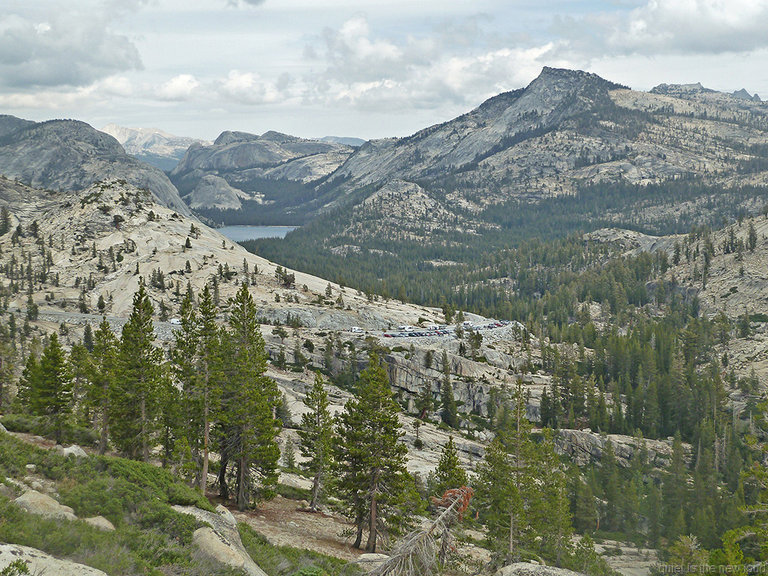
316, 436
52, 397
370, 458
250, 401
448, 411
449, 472
136, 393
102, 379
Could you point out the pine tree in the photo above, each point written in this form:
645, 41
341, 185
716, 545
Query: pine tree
53, 397
88, 338
498, 499
674, 492
184, 366
449, 472
249, 403
370, 458
448, 411
316, 436
209, 384
104, 364
136, 393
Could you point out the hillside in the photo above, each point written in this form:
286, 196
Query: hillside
244, 178
69, 155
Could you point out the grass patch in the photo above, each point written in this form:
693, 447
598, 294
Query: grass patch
39, 426
293, 493
289, 561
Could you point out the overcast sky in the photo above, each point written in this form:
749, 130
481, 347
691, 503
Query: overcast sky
364, 68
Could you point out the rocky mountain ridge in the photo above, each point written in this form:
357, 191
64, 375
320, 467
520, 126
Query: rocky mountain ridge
69, 155
566, 129
240, 167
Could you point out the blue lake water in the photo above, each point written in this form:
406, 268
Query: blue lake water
241, 233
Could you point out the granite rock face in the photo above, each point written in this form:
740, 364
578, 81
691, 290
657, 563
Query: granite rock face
39, 562
220, 541
67, 155
241, 167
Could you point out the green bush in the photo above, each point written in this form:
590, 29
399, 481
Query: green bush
16, 568
310, 571
41, 427
166, 520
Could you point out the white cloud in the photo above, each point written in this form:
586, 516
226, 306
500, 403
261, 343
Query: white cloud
671, 26
424, 71
179, 87
250, 88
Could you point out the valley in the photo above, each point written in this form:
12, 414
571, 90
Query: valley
556, 299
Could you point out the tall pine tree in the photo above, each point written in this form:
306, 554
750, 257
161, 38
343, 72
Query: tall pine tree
316, 436
370, 458
136, 394
250, 401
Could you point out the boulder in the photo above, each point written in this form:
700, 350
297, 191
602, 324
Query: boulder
36, 503
216, 548
73, 450
529, 569
101, 523
221, 541
3, 430
370, 562
39, 562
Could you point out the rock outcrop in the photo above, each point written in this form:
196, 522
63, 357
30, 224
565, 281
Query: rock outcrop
73, 450
101, 523
151, 145
584, 447
39, 562
43, 505
528, 569
220, 542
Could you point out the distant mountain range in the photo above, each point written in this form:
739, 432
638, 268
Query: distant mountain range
567, 129
152, 145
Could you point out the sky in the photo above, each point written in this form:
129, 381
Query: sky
361, 68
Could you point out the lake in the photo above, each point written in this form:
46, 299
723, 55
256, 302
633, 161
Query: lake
242, 233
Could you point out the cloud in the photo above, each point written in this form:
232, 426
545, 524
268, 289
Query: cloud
73, 47
425, 71
237, 3
671, 27
250, 88
179, 87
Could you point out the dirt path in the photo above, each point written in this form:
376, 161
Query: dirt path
284, 523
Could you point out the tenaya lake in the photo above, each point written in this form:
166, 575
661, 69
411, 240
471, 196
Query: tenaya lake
242, 233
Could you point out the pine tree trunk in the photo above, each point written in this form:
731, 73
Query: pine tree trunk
359, 524
242, 492
315, 492
206, 437
144, 444
104, 430
371, 545
512, 532
224, 462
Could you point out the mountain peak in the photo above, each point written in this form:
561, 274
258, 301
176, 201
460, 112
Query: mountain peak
232, 136
550, 74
